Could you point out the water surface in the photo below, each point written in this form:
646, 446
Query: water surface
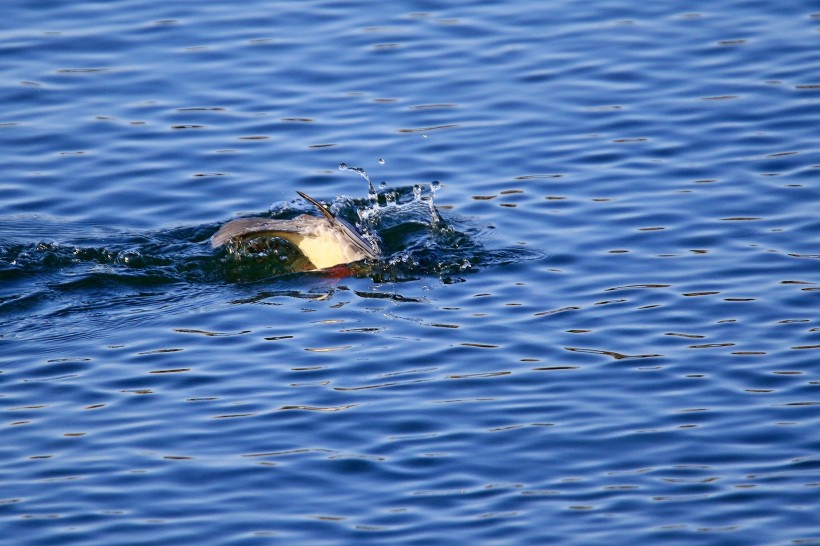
609, 338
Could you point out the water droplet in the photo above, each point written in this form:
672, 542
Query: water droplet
416, 192
381, 161
382, 184
424, 136
435, 185
342, 166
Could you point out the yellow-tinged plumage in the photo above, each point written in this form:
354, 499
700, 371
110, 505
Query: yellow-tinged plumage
325, 241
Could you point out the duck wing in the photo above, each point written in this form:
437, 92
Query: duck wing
242, 228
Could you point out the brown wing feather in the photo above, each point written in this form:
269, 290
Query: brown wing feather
242, 228
326, 213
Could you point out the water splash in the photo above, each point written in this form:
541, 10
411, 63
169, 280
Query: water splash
391, 197
434, 187
415, 236
361, 172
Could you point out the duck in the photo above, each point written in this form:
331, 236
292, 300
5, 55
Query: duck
326, 241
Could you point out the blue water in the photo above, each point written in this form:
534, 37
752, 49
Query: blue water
610, 336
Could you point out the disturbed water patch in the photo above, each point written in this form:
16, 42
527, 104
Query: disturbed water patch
58, 269
416, 239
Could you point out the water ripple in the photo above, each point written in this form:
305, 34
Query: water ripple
605, 328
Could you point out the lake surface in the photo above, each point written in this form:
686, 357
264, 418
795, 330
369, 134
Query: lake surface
594, 322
